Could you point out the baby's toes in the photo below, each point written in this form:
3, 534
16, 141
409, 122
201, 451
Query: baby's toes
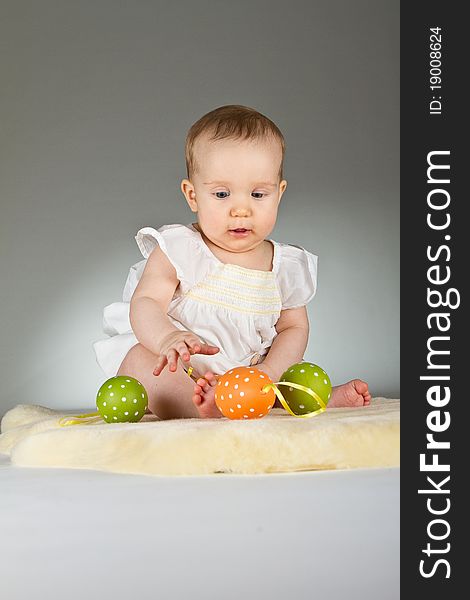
203, 384
361, 387
197, 395
211, 378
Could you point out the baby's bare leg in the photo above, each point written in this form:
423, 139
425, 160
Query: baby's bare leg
170, 394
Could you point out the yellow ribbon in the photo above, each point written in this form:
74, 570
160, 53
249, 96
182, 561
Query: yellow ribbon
72, 420
282, 400
195, 378
75, 419
298, 387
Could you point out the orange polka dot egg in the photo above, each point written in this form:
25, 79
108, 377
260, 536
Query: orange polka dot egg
239, 395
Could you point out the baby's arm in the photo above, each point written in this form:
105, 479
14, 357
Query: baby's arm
289, 345
149, 319
149, 303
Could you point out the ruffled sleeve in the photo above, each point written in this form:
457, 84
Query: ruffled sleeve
297, 276
182, 246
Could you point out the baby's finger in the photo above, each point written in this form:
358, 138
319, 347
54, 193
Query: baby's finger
207, 349
183, 351
172, 357
194, 344
161, 362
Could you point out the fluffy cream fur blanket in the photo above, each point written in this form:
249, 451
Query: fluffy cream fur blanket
339, 438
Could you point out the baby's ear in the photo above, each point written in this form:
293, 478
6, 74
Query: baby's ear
282, 189
189, 193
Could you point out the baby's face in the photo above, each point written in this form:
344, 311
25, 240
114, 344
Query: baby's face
236, 186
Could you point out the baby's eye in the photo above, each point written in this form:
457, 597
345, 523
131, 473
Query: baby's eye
258, 195
221, 197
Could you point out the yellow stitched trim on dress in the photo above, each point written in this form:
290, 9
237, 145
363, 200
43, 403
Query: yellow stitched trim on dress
246, 285
257, 299
232, 306
248, 272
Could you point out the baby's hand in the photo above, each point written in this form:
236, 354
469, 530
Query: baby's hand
180, 344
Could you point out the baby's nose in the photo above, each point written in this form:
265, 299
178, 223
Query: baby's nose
240, 212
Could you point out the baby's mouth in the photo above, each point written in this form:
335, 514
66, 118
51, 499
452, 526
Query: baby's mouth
239, 232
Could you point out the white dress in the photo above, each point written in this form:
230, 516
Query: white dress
225, 305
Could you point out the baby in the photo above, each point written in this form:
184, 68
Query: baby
217, 293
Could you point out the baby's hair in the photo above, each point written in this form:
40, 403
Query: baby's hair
232, 121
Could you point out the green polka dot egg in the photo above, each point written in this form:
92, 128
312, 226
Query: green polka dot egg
122, 399
311, 376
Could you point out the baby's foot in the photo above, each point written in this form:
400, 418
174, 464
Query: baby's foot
203, 397
353, 393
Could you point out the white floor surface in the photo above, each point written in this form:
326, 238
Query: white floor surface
79, 534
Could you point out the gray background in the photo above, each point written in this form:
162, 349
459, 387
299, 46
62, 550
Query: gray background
97, 98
